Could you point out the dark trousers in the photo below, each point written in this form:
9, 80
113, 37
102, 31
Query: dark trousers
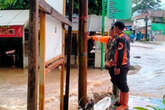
120, 80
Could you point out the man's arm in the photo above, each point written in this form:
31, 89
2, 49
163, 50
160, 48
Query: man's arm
121, 52
104, 39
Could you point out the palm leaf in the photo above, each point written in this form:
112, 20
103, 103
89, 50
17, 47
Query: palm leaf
140, 108
154, 108
164, 99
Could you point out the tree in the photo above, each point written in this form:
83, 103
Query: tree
14, 4
95, 6
143, 5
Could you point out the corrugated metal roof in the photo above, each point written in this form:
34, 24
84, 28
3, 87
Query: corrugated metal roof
94, 23
14, 17
151, 13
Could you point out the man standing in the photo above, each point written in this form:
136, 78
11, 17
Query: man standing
122, 63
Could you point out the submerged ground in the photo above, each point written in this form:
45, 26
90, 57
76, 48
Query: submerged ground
147, 80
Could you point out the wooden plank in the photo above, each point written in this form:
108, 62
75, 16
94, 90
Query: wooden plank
54, 13
33, 57
53, 60
54, 65
42, 62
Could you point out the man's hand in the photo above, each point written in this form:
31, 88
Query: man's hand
107, 64
90, 37
116, 71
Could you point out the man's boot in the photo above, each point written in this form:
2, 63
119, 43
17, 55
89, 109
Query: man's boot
124, 105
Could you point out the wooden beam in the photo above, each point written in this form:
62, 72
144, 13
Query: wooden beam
33, 57
42, 62
45, 7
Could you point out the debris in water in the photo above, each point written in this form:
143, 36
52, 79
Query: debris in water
138, 57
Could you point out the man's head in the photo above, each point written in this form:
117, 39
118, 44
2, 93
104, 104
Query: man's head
119, 27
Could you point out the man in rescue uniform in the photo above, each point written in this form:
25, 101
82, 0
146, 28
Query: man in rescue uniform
122, 63
110, 42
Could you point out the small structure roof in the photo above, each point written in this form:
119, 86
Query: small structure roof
14, 17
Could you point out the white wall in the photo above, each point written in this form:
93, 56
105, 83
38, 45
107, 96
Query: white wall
56, 4
53, 38
141, 23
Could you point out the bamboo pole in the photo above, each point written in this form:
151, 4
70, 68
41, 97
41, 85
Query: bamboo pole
42, 63
33, 57
83, 36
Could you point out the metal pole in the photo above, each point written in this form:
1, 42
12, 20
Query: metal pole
83, 36
69, 43
146, 19
33, 57
102, 44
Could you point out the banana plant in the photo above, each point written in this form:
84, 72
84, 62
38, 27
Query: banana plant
151, 107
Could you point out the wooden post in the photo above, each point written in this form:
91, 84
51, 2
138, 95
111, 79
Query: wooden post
83, 36
63, 65
62, 87
69, 47
42, 62
33, 57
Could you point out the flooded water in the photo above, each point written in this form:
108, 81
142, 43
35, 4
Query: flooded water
13, 88
150, 80
147, 82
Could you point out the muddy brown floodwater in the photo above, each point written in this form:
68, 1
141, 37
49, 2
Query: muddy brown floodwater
148, 80
13, 88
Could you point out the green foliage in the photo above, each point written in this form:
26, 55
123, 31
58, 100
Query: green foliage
95, 6
151, 107
143, 5
163, 19
14, 4
140, 108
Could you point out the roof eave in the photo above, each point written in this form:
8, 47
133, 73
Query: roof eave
45, 7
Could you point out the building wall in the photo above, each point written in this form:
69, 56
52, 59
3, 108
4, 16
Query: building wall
160, 37
53, 38
141, 23
56, 4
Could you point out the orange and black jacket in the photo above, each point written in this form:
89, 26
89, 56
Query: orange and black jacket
122, 54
